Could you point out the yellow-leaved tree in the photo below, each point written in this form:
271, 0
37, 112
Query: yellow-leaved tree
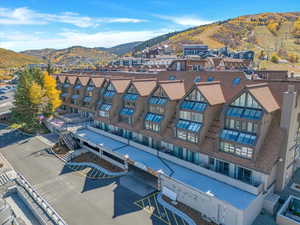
273, 27
36, 94
51, 92
296, 27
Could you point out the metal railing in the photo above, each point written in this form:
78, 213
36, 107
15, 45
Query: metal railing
49, 211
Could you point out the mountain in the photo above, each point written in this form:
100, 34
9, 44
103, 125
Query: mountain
121, 49
10, 59
272, 33
73, 56
79, 55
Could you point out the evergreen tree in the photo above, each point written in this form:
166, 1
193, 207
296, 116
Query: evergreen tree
22, 106
36, 95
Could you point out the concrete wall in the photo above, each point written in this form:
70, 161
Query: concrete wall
211, 207
290, 123
253, 210
281, 219
218, 176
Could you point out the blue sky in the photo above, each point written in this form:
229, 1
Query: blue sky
35, 24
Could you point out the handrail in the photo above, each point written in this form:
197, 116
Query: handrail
43, 203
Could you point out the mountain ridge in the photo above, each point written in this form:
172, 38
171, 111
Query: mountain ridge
9, 59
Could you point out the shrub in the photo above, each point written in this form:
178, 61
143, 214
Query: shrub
274, 58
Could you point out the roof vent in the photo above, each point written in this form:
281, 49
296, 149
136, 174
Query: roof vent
197, 79
172, 77
210, 79
236, 81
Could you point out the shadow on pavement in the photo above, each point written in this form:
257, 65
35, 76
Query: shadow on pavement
9, 137
39, 153
91, 184
65, 170
123, 198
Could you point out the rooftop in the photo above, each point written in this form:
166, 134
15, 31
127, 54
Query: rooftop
236, 197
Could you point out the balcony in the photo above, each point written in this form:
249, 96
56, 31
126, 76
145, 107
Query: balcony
289, 212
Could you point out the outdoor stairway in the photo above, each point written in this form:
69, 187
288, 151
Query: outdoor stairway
4, 179
35, 207
69, 141
67, 156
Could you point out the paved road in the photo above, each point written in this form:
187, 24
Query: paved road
80, 201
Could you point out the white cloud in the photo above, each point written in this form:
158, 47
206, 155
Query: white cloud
25, 16
22, 41
185, 20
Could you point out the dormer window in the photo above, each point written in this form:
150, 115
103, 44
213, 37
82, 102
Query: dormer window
239, 135
126, 115
66, 84
187, 130
78, 86
110, 91
87, 100
104, 110
74, 99
191, 117
152, 121
157, 105
246, 100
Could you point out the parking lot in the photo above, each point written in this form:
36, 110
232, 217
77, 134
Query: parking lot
6, 98
79, 200
151, 206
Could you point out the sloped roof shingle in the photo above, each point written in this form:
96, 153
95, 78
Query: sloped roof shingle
212, 91
120, 85
265, 97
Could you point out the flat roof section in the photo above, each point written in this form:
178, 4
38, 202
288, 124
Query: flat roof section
236, 197
145, 158
99, 139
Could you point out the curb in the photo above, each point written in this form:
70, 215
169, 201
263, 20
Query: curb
97, 167
80, 173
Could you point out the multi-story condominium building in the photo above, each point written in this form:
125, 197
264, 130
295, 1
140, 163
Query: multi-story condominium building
213, 140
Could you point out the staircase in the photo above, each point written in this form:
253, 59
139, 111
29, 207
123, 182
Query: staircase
68, 140
4, 179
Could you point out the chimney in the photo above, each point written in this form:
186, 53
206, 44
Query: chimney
289, 104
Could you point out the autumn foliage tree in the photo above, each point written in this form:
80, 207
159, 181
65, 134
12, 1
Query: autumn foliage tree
273, 27
52, 93
274, 58
36, 95
296, 28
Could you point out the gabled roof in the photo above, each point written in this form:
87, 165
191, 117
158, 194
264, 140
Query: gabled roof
144, 87
72, 79
98, 81
84, 80
120, 85
174, 89
264, 96
212, 91
62, 78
